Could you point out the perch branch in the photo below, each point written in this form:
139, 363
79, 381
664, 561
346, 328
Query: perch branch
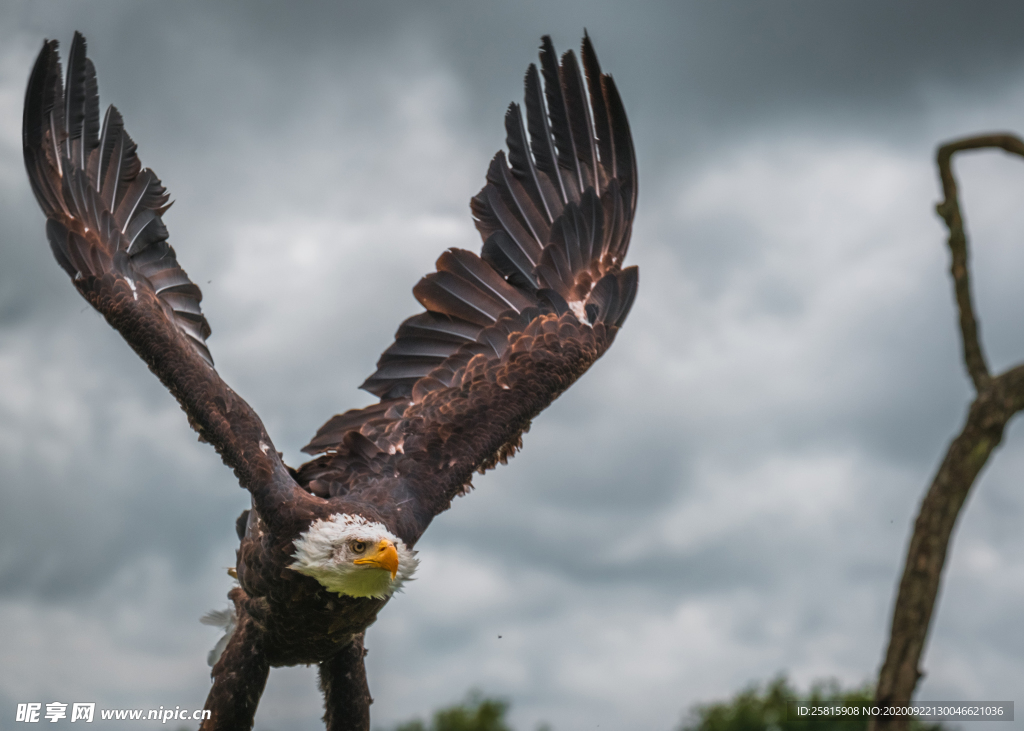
998, 399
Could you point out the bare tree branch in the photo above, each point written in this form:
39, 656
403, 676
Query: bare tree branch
998, 399
949, 209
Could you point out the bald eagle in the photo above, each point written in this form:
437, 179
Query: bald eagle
325, 546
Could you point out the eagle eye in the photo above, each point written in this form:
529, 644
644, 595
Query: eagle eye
358, 546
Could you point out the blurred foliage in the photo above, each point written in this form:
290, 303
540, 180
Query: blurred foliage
753, 710
475, 714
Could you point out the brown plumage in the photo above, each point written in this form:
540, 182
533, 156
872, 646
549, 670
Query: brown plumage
503, 334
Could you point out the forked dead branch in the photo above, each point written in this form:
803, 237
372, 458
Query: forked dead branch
997, 400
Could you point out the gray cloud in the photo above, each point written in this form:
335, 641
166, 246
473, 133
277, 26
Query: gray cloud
726, 494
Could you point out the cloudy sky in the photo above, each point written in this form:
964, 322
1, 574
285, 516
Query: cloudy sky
726, 495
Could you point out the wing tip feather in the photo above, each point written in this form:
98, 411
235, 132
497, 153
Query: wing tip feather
66, 174
540, 149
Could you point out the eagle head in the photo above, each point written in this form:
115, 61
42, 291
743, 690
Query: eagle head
353, 556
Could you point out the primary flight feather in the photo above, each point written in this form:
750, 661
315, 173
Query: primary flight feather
503, 333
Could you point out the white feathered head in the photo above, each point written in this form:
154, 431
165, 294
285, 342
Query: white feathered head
353, 556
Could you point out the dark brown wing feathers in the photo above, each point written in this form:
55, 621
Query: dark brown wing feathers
505, 332
105, 228
558, 114
81, 106
87, 184
542, 143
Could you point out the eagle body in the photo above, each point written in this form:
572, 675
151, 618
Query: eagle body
274, 596
503, 333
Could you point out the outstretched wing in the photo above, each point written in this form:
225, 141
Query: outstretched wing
504, 333
105, 227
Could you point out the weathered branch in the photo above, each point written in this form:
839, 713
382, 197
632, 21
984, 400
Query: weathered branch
998, 399
949, 209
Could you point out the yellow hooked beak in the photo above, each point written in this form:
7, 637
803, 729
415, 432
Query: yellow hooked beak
382, 556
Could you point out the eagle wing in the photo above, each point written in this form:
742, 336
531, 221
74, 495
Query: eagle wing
105, 228
504, 333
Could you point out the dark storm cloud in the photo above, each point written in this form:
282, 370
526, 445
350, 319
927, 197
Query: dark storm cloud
726, 494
